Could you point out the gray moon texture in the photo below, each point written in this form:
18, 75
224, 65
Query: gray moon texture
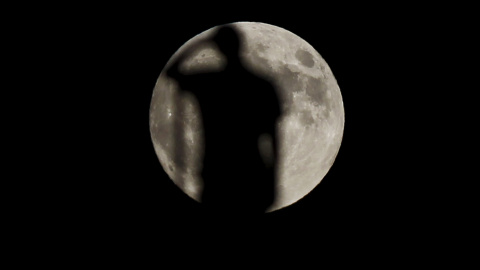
310, 129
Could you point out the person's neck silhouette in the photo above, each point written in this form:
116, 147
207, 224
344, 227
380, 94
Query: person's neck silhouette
239, 112
228, 44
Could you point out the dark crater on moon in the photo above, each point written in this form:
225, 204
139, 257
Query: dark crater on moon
316, 90
262, 47
305, 58
288, 81
307, 118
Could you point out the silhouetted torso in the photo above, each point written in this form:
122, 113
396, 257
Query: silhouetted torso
236, 107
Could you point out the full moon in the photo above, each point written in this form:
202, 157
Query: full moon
310, 129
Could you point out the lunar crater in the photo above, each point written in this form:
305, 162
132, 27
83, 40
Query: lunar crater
316, 90
261, 48
305, 58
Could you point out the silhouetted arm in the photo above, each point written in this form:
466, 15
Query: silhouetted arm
275, 141
268, 141
174, 70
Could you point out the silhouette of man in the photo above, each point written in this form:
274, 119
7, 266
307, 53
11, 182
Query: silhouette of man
239, 112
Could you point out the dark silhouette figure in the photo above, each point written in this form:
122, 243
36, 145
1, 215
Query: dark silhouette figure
239, 111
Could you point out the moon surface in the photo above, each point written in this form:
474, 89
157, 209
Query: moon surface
312, 122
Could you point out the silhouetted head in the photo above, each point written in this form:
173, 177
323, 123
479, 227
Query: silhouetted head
228, 42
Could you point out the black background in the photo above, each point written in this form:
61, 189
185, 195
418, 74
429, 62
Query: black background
107, 186
126, 52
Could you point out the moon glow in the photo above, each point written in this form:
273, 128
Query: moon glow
310, 129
